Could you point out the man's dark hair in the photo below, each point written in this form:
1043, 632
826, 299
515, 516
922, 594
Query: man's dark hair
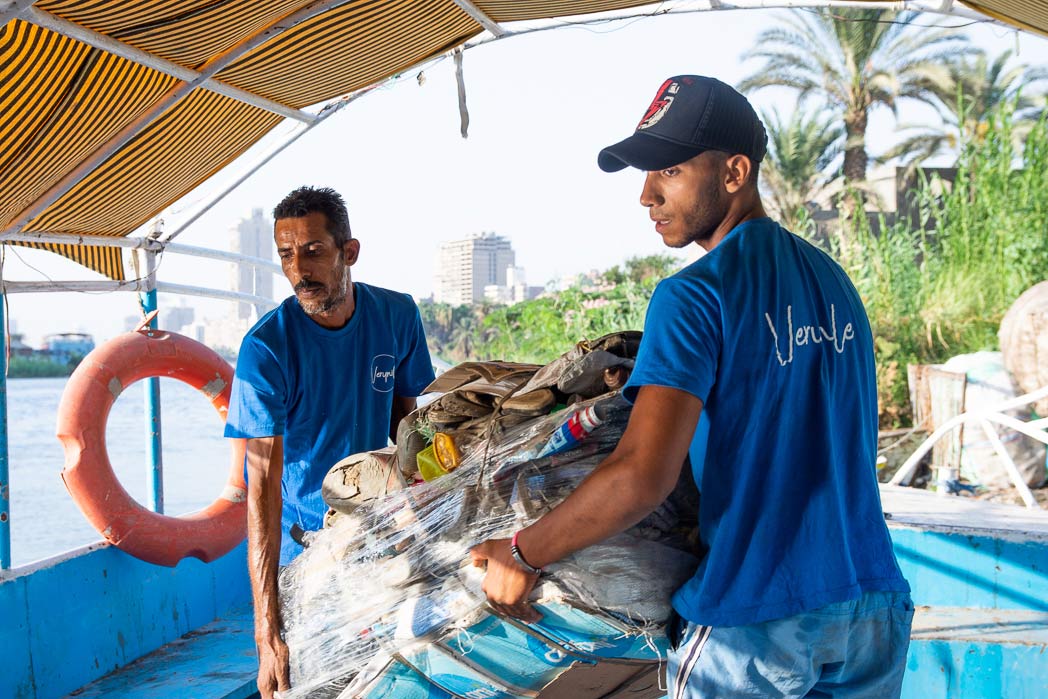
308, 200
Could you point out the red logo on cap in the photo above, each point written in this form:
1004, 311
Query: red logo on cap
660, 105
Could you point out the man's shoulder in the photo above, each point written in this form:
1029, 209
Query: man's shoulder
271, 326
395, 302
701, 275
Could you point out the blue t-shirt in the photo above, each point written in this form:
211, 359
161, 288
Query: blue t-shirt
771, 335
328, 392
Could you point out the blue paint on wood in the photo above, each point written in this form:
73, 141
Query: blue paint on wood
961, 570
962, 653
14, 649
90, 614
217, 661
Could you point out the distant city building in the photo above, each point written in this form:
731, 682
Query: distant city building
173, 318
498, 294
891, 197
466, 267
592, 280
252, 237
515, 289
176, 318
18, 347
68, 346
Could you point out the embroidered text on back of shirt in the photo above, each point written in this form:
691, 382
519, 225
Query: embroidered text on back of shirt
808, 335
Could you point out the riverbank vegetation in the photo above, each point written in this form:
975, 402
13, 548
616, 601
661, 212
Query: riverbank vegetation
36, 368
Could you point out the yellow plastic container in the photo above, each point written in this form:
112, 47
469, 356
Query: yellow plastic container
428, 465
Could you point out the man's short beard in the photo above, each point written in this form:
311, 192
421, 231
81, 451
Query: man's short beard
338, 297
708, 213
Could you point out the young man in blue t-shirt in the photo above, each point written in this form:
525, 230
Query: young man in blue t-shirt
757, 361
328, 373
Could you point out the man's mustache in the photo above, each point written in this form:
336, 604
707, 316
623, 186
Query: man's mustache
303, 285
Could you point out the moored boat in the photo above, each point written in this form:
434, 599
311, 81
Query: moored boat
69, 622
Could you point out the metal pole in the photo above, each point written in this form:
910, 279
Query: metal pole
5, 481
154, 447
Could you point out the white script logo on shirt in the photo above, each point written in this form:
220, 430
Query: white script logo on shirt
383, 372
809, 334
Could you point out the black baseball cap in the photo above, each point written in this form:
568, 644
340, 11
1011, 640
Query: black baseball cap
690, 114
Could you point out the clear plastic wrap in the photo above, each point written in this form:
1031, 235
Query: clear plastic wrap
395, 571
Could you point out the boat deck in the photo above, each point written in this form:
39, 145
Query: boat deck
962, 515
979, 573
217, 661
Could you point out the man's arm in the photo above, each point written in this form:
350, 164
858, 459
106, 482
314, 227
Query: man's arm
625, 488
265, 466
402, 407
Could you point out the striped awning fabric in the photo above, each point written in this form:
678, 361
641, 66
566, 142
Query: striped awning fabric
1031, 15
112, 110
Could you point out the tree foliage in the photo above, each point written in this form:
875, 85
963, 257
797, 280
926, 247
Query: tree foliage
541, 329
976, 88
40, 367
795, 170
935, 294
855, 60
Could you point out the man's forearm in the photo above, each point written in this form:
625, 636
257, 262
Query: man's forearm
264, 503
627, 486
594, 512
402, 407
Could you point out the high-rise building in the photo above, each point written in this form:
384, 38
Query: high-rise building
252, 237
465, 267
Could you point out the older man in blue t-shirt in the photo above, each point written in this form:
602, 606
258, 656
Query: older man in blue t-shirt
757, 360
328, 373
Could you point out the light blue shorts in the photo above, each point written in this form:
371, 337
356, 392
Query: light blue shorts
842, 651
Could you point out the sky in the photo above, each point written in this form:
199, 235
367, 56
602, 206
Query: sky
541, 106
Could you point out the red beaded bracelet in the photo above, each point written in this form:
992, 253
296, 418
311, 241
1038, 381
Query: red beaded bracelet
519, 557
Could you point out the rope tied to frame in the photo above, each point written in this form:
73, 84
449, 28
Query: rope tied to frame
460, 83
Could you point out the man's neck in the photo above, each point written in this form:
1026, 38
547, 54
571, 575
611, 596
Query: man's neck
739, 212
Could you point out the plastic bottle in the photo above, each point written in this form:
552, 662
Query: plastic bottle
574, 430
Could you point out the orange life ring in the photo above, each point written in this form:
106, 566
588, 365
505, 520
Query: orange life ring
88, 474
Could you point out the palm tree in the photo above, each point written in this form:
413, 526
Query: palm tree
795, 170
855, 60
977, 87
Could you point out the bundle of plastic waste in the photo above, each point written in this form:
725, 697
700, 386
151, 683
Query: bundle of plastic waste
1024, 342
383, 601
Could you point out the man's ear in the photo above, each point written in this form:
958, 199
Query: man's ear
738, 168
351, 251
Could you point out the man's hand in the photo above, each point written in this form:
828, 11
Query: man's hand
273, 670
624, 489
506, 584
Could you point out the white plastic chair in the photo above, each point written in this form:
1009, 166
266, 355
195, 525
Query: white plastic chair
986, 418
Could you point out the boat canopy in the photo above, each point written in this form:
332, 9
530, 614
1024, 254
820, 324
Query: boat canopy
110, 110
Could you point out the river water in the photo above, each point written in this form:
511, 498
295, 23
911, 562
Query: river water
44, 519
